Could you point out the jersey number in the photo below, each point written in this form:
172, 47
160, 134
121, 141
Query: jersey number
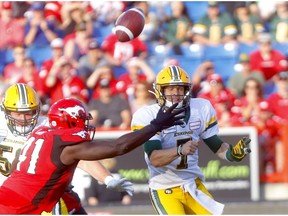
183, 160
5, 168
34, 156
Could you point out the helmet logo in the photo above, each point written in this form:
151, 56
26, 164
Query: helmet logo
73, 111
53, 123
82, 134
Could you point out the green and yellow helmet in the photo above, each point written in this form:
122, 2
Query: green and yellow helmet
22, 99
169, 76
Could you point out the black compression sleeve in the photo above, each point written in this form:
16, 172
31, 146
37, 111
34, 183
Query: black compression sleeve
214, 143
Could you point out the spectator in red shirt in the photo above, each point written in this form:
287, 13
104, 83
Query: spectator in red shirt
268, 138
199, 78
266, 59
278, 101
11, 29
220, 97
57, 52
14, 70
53, 11
103, 72
118, 53
248, 106
30, 74
253, 110
137, 71
57, 46
62, 82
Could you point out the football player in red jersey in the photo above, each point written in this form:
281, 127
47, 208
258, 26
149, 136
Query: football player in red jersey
20, 110
50, 156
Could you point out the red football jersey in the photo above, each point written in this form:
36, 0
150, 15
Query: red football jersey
40, 178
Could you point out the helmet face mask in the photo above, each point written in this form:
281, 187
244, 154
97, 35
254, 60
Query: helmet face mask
69, 113
21, 106
24, 124
172, 76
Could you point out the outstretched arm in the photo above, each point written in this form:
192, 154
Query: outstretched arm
95, 169
100, 149
100, 173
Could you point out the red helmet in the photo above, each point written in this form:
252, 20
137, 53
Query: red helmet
69, 113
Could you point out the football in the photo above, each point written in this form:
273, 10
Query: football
129, 24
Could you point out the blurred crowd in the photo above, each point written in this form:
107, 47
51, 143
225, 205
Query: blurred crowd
68, 49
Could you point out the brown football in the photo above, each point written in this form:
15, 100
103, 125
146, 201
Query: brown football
129, 24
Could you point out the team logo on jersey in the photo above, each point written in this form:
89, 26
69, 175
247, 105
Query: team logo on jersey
82, 134
73, 111
194, 124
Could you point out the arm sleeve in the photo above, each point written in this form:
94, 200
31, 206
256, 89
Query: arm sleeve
152, 145
214, 143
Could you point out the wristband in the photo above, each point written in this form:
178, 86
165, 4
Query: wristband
179, 150
229, 156
108, 179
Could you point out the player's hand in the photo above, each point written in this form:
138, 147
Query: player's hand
241, 149
190, 147
121, 184
167, 118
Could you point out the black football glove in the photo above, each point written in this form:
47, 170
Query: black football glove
239, 151
167, 118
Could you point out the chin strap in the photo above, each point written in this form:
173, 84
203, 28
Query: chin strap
152, 92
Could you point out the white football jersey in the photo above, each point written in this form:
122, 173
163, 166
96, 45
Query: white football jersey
201, 124
10, 144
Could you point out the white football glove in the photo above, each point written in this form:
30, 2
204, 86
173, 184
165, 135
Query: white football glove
119, 184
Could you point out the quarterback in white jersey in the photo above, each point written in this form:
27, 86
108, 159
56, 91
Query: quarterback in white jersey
175, 179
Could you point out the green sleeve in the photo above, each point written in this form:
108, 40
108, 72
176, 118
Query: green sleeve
151, 145
214, 143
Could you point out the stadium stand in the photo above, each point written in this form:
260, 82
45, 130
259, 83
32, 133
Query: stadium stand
2, 60
39, 54
157, 49
193, 51
189, 64
282, 47
101, 31
156, 62
246, 48
224, 58
196, 9
6, 57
